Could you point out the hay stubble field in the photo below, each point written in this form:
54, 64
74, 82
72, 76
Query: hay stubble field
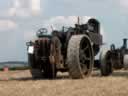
20, 83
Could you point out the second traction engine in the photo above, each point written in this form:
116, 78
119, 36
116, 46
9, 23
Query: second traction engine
114, 59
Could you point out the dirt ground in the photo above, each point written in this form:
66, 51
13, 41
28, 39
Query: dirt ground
20, 83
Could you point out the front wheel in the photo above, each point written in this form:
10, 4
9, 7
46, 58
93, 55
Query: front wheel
49, 71
106, 63
35, 72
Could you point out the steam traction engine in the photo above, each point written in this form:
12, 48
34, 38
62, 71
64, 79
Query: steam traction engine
72, 49
115, 58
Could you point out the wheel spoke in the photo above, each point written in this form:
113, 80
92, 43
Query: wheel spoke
82, 61
81, 52
84, 57
84, 50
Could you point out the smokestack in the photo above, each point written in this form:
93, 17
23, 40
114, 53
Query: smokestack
125, 43
78, 20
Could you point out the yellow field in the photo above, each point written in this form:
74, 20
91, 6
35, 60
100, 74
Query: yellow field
20, 83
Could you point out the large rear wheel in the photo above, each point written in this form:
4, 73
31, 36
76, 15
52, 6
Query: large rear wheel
80, 56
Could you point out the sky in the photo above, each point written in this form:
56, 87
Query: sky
20, 19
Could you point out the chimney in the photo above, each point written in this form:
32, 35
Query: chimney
125, 43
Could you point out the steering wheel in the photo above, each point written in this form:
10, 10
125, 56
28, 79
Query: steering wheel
42, 31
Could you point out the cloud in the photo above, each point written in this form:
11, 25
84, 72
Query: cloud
25, 8
19, 9
35, 6
59, 21
124, 5
56, 22
7, 25
19, 12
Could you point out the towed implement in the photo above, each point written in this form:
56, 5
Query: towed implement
70, 50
